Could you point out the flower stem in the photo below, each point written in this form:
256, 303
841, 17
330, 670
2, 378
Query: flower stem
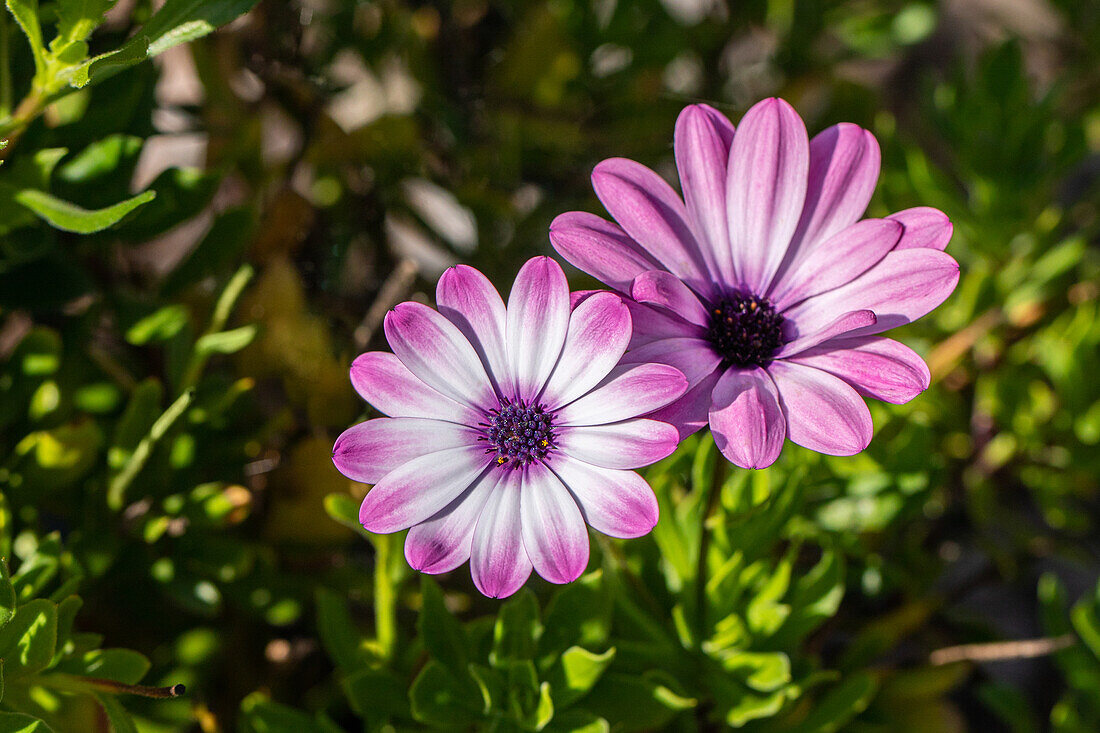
385, 600
718, 479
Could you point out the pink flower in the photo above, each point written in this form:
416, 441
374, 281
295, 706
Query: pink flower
509, 428
762, 285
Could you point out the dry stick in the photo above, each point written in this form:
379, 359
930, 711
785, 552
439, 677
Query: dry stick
118, 688
1002, 650
392, 291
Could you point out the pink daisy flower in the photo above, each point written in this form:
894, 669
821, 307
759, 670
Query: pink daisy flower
509, 429
762, 285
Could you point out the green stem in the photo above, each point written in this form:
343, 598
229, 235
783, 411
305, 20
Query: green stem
385, 600
222, 310
6, 96
718, 479
116, 490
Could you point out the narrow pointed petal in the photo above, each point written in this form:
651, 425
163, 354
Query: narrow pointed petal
600, 248
538, 318
666, 291
842, 258
599, 330
746, 419
442, 543
614, 502
845, 324
629, 391
437, 353
690, 414
628, 444
382, 380
498, 562
702, 143
924, 227
652, 214
554, 532
694, 358
823, 413
368, 451
844, 167
765, 190
901, 288
418, 489
467, 299
876, 367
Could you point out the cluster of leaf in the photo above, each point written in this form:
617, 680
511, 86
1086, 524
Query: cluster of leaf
52, 677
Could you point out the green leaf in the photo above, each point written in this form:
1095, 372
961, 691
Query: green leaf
762, 671
438, 698
754, 707
845, 701
576, 673
21, 723
76, 19
376, 695
578, 614
66, 616
517, 629
181, 194
177, 21
26, 15
28, 641
38, 569
578, 721
7, 595
544, 712
121, 665
1083, 618
265, 716
226, 342
100, 158
119, 720
440, 631
635, 703
160, 325
338, 633
343, 509
72, 218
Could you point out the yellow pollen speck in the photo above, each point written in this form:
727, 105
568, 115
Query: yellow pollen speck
544, 442
501, 460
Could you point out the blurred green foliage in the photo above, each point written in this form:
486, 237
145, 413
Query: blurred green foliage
192, 251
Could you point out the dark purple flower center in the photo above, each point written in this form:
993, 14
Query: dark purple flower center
518, 433
745, 330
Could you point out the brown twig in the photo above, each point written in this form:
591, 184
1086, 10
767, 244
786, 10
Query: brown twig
396, 286
118, 688
1001, 650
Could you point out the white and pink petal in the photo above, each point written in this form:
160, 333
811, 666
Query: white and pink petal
746, 418
368, 451
418, 489
499, 563
823, 413
554, 532
614, 502
874, 366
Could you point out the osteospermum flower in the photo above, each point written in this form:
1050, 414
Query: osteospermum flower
762, 284
509, 428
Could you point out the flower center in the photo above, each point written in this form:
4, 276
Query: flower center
745, 329
518, 433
